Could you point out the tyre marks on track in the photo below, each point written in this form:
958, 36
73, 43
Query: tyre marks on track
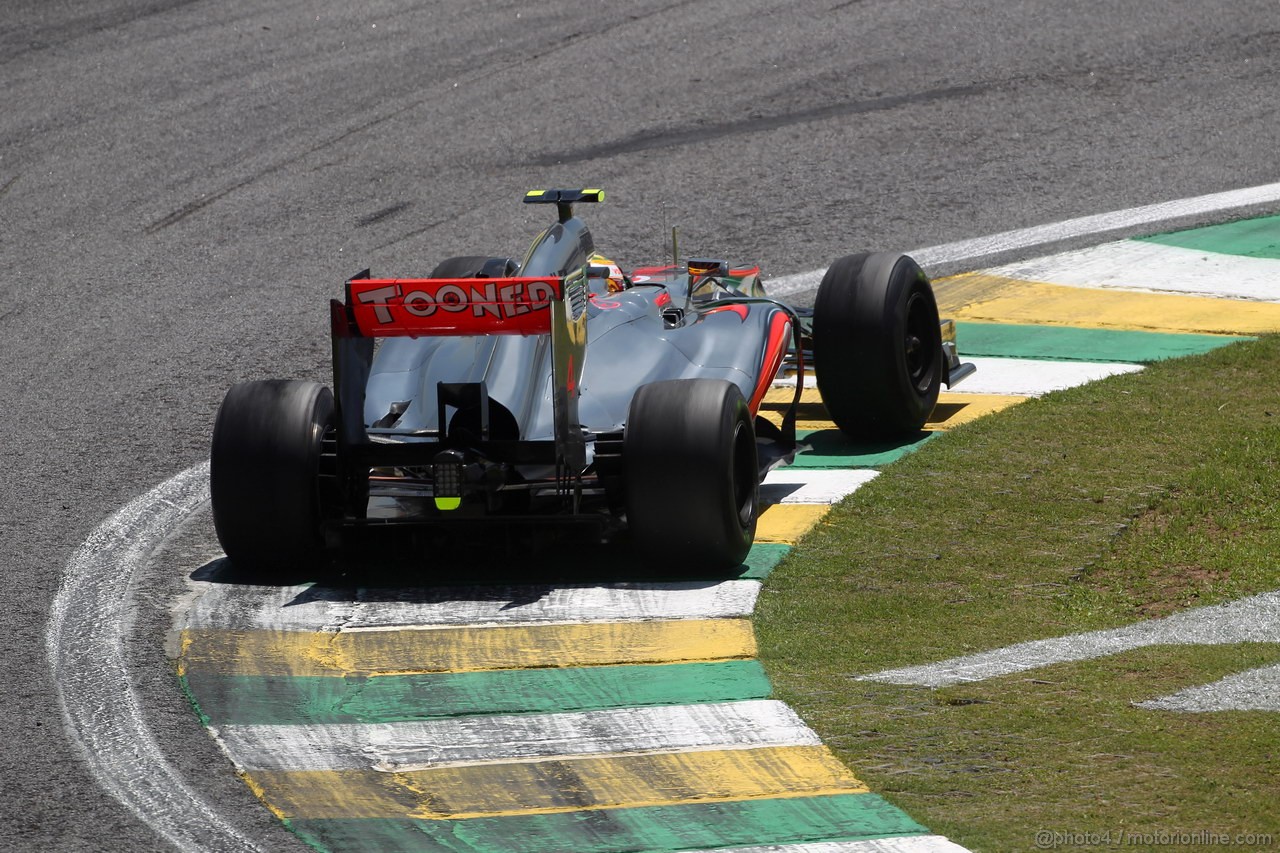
557, 785
426, 744
233, 699
101, 710
425, 649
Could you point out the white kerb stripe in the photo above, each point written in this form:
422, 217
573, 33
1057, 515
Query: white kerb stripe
811, 486
1025, 377
515, 737
324, 608
1152, 267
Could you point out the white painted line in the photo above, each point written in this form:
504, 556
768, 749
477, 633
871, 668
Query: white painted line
1254, 690
1025, 377
394, 747
812, 486
323, 608
1154, 268
85, 645
904, 844
1250, 620
966, 251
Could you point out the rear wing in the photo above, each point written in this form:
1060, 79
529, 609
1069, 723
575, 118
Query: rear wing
529, 305
386, 307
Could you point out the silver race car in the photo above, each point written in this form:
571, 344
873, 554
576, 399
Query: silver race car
557, 393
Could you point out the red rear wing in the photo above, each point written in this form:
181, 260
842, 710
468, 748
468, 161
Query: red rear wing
413, 307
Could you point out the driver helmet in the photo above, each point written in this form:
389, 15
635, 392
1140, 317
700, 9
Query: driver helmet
616, 280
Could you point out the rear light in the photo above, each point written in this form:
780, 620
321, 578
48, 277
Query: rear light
446, 476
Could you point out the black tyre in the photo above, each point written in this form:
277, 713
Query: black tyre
692, 479
877, 345
470, 266
264, 467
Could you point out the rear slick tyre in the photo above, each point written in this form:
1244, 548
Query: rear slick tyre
692, 477
877, 345
473, 266
264, 473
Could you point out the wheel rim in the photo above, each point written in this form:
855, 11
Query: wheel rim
918, 347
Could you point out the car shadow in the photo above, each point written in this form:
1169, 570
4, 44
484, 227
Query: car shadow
478, 572
834, 443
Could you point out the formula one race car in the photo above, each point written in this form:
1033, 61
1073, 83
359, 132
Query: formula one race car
557, 392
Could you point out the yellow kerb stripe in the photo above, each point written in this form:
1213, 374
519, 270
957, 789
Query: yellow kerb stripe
786, 523
557, 785
990, 298
952, 409
405, 652
810, 415
955, 409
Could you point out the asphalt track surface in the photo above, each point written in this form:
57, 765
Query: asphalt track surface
183, 185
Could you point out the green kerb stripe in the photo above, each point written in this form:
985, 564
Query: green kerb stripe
246, 700
842, 817
1251, 238
1064, 343
830, 448
762, 558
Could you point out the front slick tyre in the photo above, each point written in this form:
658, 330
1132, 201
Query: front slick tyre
691, 473
264, 473
877, 345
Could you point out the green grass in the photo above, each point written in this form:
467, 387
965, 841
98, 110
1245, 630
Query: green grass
1126, 499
